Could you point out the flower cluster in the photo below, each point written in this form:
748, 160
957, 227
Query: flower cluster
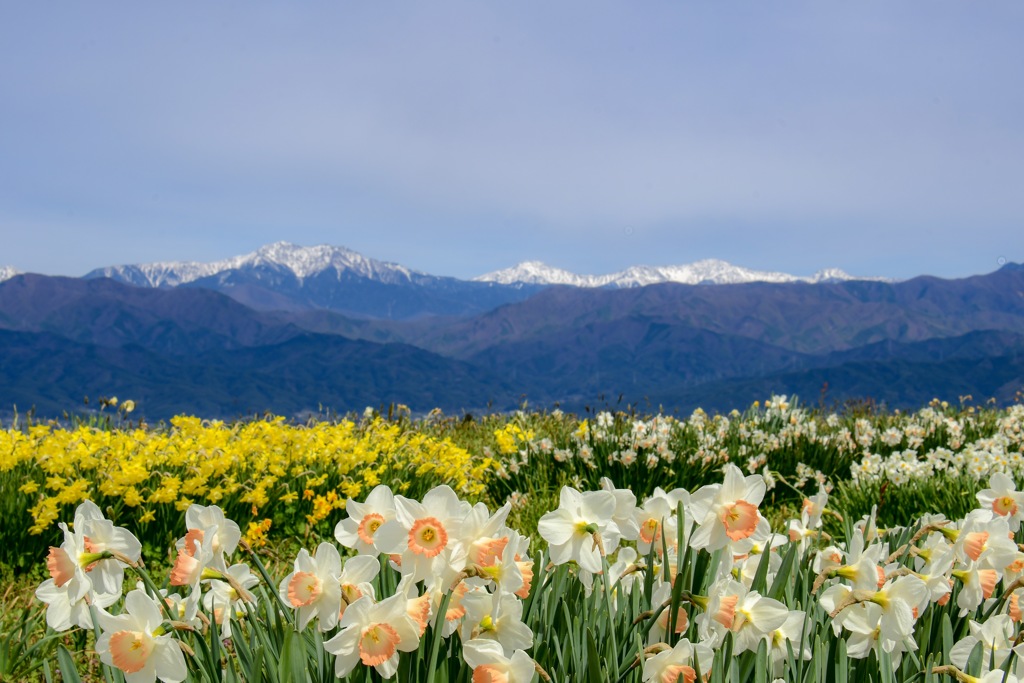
875, 600
453, 557
1000, 448
587, 527
255, 470
86, 577
806, 448
679, 583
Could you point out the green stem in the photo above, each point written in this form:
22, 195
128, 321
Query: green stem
611, 614
436, 636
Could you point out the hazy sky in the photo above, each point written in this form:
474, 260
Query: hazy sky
884, 138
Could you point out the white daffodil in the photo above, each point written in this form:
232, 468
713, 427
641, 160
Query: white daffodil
862, 563
679, 664
210, 520
424, 535
978, 585
746, 614
789, 635
625, 511
728, 511
135, 642
223, 601
864, 624
831, 598
196, 559
374, 634
517, 548
482, 539
99, 535
986, 540
489, 663
183, 609
355, 578
446, 581
92, 554
830, 557
418, 607
314, 587
653, 518
359, 529
1003, 498
745, 567
578, 529
899, 600
66, 605
813, 507
496, 616
996, 637
935, 573
662, 595
623, 575
495, 563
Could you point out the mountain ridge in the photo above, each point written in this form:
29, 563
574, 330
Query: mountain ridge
300, 261
283, 276
706, 271
303, 262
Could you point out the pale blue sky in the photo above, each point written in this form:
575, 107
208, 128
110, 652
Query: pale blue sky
884, 138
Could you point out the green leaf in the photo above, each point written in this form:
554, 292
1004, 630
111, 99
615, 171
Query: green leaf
761, 574
947, 637
595, 673
782, 577
842, 662
973, 667
292, 665
761, 662
67, 665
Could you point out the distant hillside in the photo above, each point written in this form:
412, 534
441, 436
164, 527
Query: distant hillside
894, 383
53, 374
803, 318
108, 313
192, 349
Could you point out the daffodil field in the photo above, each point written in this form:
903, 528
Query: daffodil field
781, 543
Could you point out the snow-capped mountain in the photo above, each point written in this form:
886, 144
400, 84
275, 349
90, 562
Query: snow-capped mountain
7, 272
284, 276
300, 262
708, 271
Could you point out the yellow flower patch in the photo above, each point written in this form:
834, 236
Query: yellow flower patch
254, 467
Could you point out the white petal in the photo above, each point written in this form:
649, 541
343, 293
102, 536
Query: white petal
481, 651
169, 660
557, 527
961, 651
328, 560
144, 610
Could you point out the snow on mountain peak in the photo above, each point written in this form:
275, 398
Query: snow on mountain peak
302, 262
707, 271
534, 272
307, 261
7, 272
